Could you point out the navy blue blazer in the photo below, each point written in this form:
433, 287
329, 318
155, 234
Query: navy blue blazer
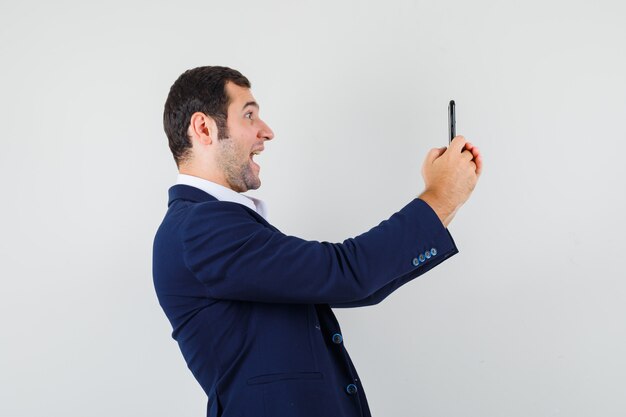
250, 306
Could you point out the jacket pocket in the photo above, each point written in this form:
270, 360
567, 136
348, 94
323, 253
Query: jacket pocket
267, 378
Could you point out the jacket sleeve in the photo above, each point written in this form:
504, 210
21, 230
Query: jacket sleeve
382, 293
238, 258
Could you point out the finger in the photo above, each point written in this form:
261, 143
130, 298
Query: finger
467, 155
479, 164
434, 154
458, 143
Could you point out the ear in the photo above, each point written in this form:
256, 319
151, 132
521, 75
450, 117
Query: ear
202, 128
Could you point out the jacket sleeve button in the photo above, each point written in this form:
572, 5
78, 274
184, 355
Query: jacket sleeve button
433, 251
416, 262
351, 389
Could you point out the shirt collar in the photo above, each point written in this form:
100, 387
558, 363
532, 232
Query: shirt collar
223, 193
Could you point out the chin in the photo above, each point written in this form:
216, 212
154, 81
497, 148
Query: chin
255, 186
252, 183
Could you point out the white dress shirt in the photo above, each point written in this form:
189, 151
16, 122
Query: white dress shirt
223, 193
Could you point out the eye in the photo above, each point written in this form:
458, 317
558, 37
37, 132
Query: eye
249, 114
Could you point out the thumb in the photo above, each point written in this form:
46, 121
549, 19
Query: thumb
434, 154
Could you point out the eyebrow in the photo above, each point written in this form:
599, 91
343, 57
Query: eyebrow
250, 103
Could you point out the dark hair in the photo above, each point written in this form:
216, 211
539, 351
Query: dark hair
201, 89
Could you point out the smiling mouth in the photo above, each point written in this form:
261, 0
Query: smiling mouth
257, 152
252, 160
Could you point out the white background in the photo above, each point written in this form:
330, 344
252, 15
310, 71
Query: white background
529, 318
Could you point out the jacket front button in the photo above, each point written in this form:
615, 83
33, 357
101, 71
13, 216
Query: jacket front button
337, 338
351, 389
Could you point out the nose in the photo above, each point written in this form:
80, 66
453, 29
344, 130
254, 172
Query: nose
265, 132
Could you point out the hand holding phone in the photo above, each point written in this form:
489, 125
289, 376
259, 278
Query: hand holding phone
452, 133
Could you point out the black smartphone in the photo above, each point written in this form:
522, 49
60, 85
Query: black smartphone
451, 121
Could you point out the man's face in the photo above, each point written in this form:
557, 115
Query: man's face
246, 134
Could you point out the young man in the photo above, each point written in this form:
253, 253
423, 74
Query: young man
250, 306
